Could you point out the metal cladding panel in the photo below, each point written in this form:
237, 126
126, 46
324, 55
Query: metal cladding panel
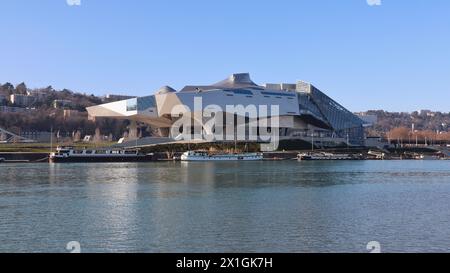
273, 86
144, 106
121, 108
167, 104
289, 86
287, 101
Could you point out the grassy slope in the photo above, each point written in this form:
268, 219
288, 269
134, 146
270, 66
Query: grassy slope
44, 147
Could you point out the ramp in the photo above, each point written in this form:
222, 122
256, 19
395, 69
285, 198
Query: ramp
13, 138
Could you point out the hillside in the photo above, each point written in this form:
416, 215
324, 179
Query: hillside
44, 109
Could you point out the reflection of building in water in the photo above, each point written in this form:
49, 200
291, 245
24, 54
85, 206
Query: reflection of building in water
192, 175
305, 113
114, 198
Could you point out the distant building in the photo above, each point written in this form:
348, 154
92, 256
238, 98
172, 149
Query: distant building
427, 113
40, 94
3, 99
22, 100
369, 120
112, 97
59, 104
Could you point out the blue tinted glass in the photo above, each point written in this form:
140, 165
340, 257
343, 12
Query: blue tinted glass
132, 105
145, 103
277, 94
240, 91
306, 104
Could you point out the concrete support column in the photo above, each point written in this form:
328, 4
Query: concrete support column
163, 132
132, 130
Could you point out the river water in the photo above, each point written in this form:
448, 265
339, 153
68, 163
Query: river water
284, 206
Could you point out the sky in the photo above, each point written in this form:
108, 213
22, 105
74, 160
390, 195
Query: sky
392, 55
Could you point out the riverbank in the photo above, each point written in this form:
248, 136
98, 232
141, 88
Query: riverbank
46, 147
39, 152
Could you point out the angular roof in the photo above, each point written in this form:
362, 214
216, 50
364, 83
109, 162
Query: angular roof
165, 90
240, 80
337, 115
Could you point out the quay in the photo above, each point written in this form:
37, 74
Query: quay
354, 153
23, 157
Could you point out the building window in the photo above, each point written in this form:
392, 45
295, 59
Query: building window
132, 105
145, 103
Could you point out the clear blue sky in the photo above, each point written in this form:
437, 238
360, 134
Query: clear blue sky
394, 57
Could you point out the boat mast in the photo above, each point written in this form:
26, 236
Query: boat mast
235, 139
51, 139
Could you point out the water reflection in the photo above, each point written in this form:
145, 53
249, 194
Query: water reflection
226, 206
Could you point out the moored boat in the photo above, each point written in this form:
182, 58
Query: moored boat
63, 155
323, 156
205, 156
376, 155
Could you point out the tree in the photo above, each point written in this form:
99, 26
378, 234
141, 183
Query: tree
21, 89
399, 133
6, 89
77, 136
97, 136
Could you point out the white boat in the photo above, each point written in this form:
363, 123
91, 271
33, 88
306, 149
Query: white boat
204, 156
323, 156
376, 154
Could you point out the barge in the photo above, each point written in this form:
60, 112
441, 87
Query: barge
204, 156
68, 155
323, 156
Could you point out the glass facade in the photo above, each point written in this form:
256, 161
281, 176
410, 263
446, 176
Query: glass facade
141, 104
240, 91
144, 103
132, 105
278, 94
344, 123
306, 104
